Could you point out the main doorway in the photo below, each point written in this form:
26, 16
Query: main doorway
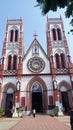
9, 103
65, 101
37, 102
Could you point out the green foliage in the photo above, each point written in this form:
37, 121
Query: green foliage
47, 5
52, 113
1, 111
63, 110
69, 10
55, 111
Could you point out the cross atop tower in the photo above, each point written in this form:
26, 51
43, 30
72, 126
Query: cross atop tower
35, 35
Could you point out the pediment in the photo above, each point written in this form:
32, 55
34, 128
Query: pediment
35, 59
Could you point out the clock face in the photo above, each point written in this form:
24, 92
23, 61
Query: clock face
36, 64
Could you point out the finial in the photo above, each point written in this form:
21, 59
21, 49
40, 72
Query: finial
35, 35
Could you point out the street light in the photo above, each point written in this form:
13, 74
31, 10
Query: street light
55, 86
18, 85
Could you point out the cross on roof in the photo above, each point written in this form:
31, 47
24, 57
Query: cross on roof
35, 35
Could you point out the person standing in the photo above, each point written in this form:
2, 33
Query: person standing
34, 112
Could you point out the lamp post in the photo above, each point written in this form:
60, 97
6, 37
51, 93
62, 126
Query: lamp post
55, 92
57, 98
55, 84
60, 107
18, 85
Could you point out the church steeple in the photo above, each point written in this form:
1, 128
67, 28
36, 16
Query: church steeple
13, 46
57, 46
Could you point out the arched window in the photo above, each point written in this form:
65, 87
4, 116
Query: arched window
35, 49
16, 35
11, 36
36, 87
57, 61
14, 62
59, 34
9, 62
54, 34
63, 61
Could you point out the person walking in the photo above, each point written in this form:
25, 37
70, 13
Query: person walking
34, 112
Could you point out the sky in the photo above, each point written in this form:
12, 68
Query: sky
33, 20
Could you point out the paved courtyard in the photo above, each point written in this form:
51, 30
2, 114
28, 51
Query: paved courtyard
40, 122
7, 123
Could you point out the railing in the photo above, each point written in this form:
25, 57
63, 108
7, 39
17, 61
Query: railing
12, 45
62, 70
10, 72
58, 43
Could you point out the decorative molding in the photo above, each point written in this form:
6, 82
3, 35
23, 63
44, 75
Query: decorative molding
10, 72
12, 45
36, 64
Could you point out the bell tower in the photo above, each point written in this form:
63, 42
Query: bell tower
57, 46
58, 50
13, 48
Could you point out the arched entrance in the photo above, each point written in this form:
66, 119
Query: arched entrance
9, 101
43, 97
8, 97
37, 97
65, 95
65, 101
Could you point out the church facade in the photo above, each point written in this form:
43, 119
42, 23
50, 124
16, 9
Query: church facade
36, 79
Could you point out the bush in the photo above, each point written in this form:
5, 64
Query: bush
1, 112
52, 113
55, 111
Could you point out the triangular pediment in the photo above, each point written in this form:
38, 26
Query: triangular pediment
32, 46
36, 60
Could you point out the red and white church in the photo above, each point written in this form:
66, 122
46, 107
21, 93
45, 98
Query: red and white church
36, 79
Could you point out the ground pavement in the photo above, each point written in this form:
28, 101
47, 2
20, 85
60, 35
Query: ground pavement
40, 122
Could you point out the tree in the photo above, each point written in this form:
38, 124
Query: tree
47, 5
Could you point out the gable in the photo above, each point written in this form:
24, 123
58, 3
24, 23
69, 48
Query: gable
35, 60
